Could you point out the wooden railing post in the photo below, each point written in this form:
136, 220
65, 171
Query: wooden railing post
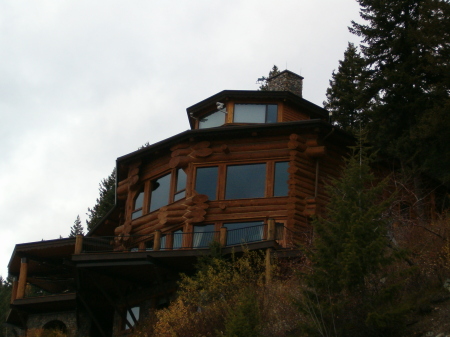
157, 240
271, 229
78, 244
22, 278
223, 236
14, 289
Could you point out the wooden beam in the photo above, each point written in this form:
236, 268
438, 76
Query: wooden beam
78, 244
22, 278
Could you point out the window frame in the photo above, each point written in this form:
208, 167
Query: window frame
266, 112
222, 178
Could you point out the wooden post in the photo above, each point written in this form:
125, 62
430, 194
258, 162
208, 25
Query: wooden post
223, 236
268, 265
271, 229
78, 244
14, 289
22, 278
157, 241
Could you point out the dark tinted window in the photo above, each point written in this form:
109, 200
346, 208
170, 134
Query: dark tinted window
138, 204
180, 192
245, 181
177, 239
280, 188
206, 181
203, 236
160, 192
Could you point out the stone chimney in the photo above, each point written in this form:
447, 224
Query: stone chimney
286, 81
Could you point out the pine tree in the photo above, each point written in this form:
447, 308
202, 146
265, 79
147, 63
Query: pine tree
350, 248
405, 45
5, 296
346, 100
105, 202
350, 240
264, 86
77, 228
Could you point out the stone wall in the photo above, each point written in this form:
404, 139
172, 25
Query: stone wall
37, 322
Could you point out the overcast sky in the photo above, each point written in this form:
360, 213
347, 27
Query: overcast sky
84, 82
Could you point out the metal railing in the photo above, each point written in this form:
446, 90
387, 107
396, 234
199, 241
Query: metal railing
180, 240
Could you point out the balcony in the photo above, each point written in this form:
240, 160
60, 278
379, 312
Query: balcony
178, 240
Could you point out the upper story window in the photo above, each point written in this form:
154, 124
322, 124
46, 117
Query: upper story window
138, 205
211, 120
255, 113
244, 181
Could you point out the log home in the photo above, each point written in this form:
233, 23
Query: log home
250, 171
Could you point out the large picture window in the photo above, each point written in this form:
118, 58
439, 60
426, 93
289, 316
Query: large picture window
255, 113
246, 181
160, 192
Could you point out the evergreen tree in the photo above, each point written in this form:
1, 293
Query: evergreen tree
405, 45
264, 86
105, 202
350, 248
77, 228
5, 296
350, 241
346, 100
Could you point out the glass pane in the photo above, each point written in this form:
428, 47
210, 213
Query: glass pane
149, 245
177, 239
139, 202
203, 236
281, 188
206, 181
245, 181
179, 196
135, 311
214, 119
249, 113
163, 242
136, 214
272, 112
242, 232
160, 192
181, 180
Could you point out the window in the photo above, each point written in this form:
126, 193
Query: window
216, 118
245, 181
138, 205
160, 192
206, 181
244, 232
135, 311
203, 236
280, 181
180, 191
166, 189
177, 239
255, 113
163, 242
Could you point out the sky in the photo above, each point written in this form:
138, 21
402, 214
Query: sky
84, 82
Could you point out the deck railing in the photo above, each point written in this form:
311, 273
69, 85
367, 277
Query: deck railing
181, 240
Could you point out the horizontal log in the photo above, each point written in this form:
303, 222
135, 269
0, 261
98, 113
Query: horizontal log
179, 146
315, 152
244, 209
201, 145
181, 152
249, 202
144, 219
195, 213
244, 216
202, 153
170, 214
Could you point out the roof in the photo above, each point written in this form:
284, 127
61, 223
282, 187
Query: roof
314, 110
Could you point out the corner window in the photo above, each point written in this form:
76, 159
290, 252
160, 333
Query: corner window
245, 181
206, 181
138, 205
255, 113
160, 192
180, 190
280, 181
211, 120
